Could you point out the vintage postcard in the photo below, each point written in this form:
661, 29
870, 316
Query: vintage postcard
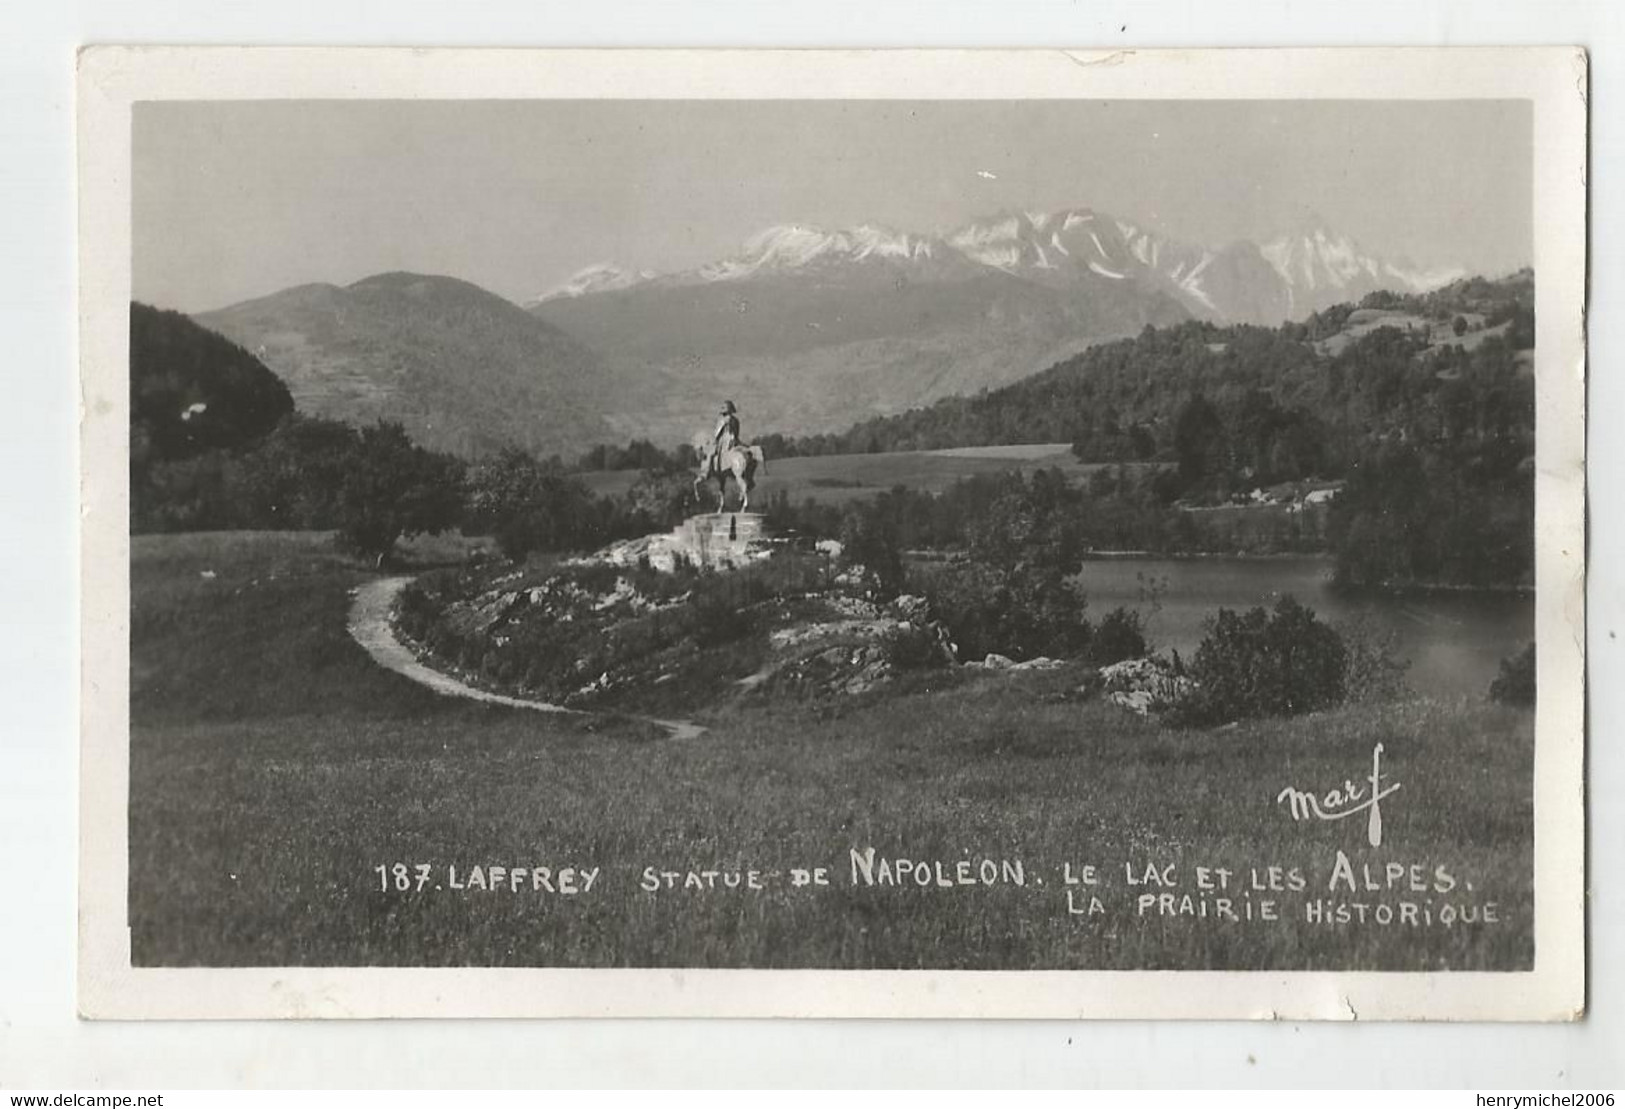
795, 533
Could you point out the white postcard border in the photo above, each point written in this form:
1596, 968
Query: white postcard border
111, 79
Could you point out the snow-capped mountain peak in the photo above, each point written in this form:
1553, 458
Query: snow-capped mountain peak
600, 278
1314, 259
1031, 240
1081, 244
793, 246
880, 242
1079, 251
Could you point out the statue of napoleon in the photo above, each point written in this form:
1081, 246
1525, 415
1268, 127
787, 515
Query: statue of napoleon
726, 456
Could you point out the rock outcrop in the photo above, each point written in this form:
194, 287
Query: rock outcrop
1144, 685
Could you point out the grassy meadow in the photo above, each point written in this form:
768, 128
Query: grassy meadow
274, 766
839, 478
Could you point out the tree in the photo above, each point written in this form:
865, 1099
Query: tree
294, 477
184, 494
1141, 442
1120, 635
869, 540
1516, 683
1260, 663
1380, 524
660, 498
1015, 594
1521, 335
1198, 440
393, 488
529, 505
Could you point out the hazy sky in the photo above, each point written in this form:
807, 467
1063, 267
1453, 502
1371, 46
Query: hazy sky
235, 200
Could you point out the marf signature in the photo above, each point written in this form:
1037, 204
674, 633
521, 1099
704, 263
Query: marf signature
1344, 801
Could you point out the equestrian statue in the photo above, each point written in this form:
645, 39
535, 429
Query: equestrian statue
726, 456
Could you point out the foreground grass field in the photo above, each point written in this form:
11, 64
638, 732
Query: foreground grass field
275, 769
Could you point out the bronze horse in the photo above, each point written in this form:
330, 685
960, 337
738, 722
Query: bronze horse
739, 462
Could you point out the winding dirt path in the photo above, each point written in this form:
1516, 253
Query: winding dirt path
369, 626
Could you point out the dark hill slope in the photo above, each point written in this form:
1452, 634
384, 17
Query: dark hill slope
192, 390
463, 369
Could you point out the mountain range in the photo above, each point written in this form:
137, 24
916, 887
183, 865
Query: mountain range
1301, 270
808, 329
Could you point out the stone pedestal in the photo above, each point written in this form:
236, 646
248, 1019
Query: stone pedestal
718, 539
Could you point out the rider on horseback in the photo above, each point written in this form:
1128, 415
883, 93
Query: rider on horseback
726, 436
726, 456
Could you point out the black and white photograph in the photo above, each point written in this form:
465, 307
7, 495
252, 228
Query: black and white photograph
882, 534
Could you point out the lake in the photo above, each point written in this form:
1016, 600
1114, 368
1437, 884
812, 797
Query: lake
1454, 642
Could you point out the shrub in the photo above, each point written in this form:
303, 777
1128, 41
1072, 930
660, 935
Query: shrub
415, 613
1260, 663
1022, 614
1372, 671
716, 621
870, 541
1516, 683
911, 647
592, 577
1119, 635
186, 494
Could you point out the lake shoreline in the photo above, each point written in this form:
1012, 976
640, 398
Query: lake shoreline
1454, 638
1192, 556
1390, 590
1386, 589
1422, 589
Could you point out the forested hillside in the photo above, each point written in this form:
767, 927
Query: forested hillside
192, 390
1391, 363
1420, 408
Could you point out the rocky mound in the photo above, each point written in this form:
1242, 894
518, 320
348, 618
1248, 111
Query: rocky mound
633, 638
861, 650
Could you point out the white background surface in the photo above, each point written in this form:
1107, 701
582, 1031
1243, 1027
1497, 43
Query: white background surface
42, 1043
